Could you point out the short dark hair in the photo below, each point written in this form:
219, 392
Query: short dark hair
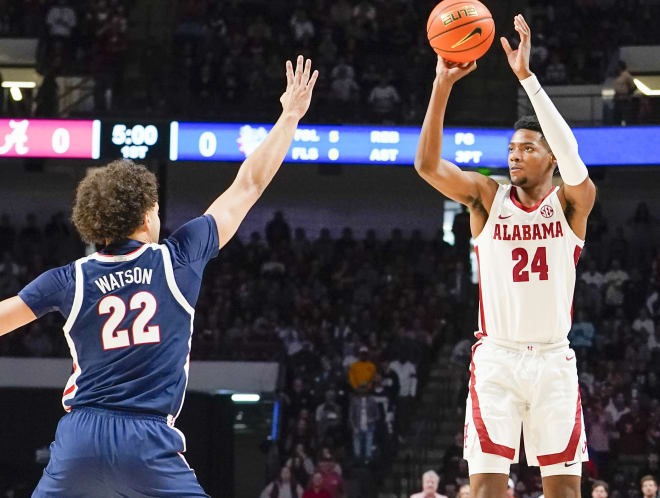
648, 477
111, 201
530, 122
600, 483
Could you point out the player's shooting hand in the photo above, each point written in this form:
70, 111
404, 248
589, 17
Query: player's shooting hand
453, 71
299, 86
519, 58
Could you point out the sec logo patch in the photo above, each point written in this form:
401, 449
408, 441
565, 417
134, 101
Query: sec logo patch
547, 211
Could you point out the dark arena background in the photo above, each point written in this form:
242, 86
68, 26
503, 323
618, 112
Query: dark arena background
348, 249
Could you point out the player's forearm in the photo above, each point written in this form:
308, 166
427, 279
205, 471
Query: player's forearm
14, 313
558, 134
261, 166
429, 148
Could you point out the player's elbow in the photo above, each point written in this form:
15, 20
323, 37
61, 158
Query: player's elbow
422, 166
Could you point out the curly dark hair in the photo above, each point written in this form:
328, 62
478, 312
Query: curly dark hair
111, 201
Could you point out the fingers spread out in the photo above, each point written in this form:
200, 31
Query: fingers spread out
299, 70
521, 26
312, 80
289, 74
506, 45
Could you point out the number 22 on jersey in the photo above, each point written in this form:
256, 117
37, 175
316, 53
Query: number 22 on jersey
141, 332
539, 264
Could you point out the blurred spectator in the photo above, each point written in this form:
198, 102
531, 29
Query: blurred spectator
345, 90
582, 334
644, 326
278, 230
555, 73
599, 489
649, 486
363, 415
315, 489
462, 234
284, 486
333, 482
592, 276
303, 29
301, 464
361, 372
61, 20
384, 100
430, 481
407, 374
616, 407
599, 426
624, 87
464, 491
328, 415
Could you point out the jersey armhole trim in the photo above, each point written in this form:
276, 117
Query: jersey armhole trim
171, 281
501, 191
78, 296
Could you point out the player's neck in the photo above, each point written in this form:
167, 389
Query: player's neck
140, 236
531, 195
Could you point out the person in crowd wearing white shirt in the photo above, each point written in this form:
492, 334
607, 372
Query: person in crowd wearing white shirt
644, 323
430, 481
616, 408
407, 374
592, 275
384, 100
61, 20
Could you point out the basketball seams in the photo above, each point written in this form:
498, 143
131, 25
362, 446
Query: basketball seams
458, 27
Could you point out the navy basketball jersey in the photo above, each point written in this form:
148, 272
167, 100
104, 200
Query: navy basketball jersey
129, 311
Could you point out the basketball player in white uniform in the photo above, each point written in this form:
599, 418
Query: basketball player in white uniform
528, 237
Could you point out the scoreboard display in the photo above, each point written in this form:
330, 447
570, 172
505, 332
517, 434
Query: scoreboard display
335, 144
475, 147
49, 138
312, 144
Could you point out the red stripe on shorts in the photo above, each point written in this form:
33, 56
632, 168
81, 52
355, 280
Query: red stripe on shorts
487, 444
569, 453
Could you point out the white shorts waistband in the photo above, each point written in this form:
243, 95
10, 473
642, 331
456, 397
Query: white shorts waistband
540, 347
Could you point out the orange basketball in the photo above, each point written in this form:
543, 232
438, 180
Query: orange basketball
460, 31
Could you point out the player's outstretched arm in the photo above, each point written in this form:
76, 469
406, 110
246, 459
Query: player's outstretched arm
578, 188
260, 167
466, 187
14, 313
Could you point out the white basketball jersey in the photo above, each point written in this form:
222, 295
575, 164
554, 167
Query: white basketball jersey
527, 259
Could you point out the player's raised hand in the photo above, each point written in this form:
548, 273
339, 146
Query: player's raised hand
453, 71
299, 86
519, 58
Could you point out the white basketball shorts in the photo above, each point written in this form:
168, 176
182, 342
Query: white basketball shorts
530, 385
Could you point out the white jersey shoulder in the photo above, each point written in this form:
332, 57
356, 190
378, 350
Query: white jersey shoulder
527, 258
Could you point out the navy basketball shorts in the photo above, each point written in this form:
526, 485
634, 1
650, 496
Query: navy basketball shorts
105, 453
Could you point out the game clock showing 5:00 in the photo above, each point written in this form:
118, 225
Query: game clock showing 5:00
135, 141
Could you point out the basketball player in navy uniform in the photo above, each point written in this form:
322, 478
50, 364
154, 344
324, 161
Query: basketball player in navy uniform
129, 314
528, 236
